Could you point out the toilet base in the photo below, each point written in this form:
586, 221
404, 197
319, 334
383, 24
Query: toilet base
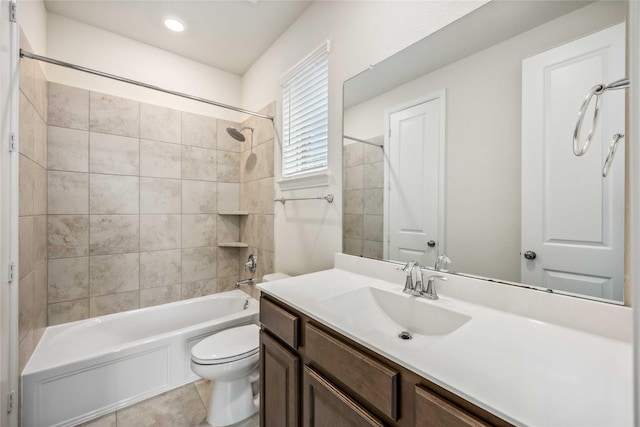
231, 402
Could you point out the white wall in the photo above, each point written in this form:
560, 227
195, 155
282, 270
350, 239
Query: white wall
483, 91
308, 233
77, 43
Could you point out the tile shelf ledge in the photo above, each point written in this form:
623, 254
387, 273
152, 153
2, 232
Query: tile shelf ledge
239, 213
232, 245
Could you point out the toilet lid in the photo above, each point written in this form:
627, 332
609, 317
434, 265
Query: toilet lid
227, 346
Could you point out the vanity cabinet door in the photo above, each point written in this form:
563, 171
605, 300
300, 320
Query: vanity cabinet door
279, 384
432, 410
326, 405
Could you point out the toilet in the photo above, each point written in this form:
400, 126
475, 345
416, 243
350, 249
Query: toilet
230, 359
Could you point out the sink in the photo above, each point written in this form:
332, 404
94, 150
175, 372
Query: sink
378, 313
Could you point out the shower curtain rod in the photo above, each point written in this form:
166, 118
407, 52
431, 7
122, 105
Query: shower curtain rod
24, 54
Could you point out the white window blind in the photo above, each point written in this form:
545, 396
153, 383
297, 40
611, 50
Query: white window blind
305, 94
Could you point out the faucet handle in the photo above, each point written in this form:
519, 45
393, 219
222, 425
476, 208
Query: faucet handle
407, 268
442, 260
408, 283
430, 292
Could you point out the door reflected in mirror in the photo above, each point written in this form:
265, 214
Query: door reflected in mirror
503, 180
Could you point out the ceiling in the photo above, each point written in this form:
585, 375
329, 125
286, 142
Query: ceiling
226, 34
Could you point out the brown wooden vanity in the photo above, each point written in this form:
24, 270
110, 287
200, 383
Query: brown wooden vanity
313, 376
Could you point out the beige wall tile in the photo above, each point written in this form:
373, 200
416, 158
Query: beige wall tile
114, 234
228, 228
353, 154
228, 262
374, 175
199, 197
353, 178
199, 288
160, 268
27, 118
25, 245
265, 239
25, 311
158, 232
68, 193
248, 166
116, 303
39, 239
352, 246
249, 230
159, 195
114, 115
113, 154
265, 159
227, 283
40, 302
249, 196
199, 264
373, 227
160, 123
353, 226
200, 131
199, 164
68, 107
160, 159
353, 202
68, 235
68, 311
265, 196
265, 264
26, 185
162, 295
68, 279
225, 141
110, 274
40, 191
68, 149
178, 407
40, 141
372, 249
113, 194
25, 350
228, 197
198, 230
372, 154
373, 201
228, 166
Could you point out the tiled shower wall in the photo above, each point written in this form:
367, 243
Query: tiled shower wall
134, 196
256, 195
33, 206
363, 196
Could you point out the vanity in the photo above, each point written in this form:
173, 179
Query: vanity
332, 355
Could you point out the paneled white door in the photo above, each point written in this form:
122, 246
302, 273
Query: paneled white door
573, 217
414, 180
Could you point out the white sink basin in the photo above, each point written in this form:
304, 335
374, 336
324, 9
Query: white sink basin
381, 314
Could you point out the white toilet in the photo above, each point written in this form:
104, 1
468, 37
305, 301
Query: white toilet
230, 360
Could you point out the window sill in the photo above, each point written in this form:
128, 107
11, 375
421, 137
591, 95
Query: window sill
304, 181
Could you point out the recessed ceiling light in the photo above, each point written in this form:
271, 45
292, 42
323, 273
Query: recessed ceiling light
174, 24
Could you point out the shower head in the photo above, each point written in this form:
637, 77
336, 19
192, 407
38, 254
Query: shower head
237, 134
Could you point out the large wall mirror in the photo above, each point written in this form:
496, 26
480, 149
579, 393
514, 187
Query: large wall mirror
462, 145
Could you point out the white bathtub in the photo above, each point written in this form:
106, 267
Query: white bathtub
85, 369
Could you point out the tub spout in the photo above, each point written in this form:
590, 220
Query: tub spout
244, 282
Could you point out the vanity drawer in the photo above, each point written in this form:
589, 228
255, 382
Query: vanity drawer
361, 374
280, 322
435, 411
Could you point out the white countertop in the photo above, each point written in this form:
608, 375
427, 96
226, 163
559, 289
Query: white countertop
524, 370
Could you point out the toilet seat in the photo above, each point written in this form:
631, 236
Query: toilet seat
227, 346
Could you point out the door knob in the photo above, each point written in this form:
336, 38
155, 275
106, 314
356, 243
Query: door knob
431, 243
530, 255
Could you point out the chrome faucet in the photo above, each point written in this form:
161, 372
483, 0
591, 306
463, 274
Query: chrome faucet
441, 261
430, 292
410, 286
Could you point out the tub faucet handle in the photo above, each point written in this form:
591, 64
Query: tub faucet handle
251, 264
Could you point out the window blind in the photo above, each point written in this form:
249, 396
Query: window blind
305, 95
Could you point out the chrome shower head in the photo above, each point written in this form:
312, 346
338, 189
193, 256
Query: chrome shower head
237, 134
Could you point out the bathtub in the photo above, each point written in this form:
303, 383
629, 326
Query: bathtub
92, 367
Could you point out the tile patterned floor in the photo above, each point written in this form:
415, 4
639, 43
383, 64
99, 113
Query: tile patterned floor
183, 407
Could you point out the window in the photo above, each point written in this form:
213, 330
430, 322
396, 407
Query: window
305, 94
